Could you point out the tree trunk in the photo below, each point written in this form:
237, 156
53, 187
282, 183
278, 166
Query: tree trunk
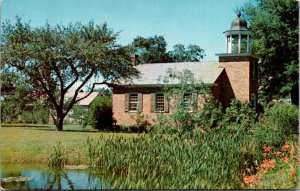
59, 123
295, 95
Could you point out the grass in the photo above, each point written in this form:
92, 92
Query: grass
215, 160
33, 144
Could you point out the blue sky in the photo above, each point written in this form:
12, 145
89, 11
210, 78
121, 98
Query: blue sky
200, 22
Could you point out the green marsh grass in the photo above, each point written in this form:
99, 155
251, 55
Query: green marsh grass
58, 156
213, 160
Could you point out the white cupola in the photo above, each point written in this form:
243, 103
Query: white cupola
238, 37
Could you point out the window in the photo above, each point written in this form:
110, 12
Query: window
159, 102
187, 98
234, 44
243, 43
133, 102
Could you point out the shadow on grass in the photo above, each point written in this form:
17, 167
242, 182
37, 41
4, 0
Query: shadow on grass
80, 130
66, 128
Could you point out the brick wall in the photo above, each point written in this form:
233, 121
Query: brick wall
234, 82
236, 79
129, 118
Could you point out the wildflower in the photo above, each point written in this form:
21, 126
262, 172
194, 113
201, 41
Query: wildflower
268, 163
249, 179
284, 159
277, 153
266, 148
292, 151
263, 171
292, 174
272, 163
264, 154
285, 147
263, 165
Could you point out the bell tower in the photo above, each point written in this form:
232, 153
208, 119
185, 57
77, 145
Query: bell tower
238, 37
240, 74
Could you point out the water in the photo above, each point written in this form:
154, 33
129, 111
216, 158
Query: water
39, 176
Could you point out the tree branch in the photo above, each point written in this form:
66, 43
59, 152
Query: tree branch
73, 101
75, 72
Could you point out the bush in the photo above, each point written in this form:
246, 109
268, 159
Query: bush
99, 114
239, 113
277, 124
78, 115
210, 116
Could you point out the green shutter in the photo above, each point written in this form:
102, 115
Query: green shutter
126, 101
140, 102
195, 99
166, 105
152, 102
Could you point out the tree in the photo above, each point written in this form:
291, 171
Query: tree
56, 59
100, 114
193, 53
151, 50
274, 26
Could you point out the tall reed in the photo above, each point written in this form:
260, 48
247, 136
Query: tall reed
57, 158
217, 159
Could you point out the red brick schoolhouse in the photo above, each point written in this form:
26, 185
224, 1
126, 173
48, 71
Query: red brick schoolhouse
234, 76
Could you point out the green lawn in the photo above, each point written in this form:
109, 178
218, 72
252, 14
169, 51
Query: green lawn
33, 143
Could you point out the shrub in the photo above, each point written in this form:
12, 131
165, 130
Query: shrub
210, 116
78, 115
240, 113
277, 123
141, 122
99, 114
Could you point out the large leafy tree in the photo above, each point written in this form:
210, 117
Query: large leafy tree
19, 100
193, 53
274, 26
151, 50
14, 95
56, 59
154, 50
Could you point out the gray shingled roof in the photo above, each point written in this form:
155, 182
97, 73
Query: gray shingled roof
86, 101
207, 72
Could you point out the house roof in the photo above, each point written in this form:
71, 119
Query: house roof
207, 72
86, 101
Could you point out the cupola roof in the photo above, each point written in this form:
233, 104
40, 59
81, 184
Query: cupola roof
238, 23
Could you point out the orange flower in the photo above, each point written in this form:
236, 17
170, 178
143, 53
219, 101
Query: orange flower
249, 179
285, 147
278, 153
266, 148
292, 174
292, 151
263, 171
263, 165
272, 163
268, 163
284, 159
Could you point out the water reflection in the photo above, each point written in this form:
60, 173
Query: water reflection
44, 178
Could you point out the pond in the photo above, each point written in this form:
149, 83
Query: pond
38, 176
